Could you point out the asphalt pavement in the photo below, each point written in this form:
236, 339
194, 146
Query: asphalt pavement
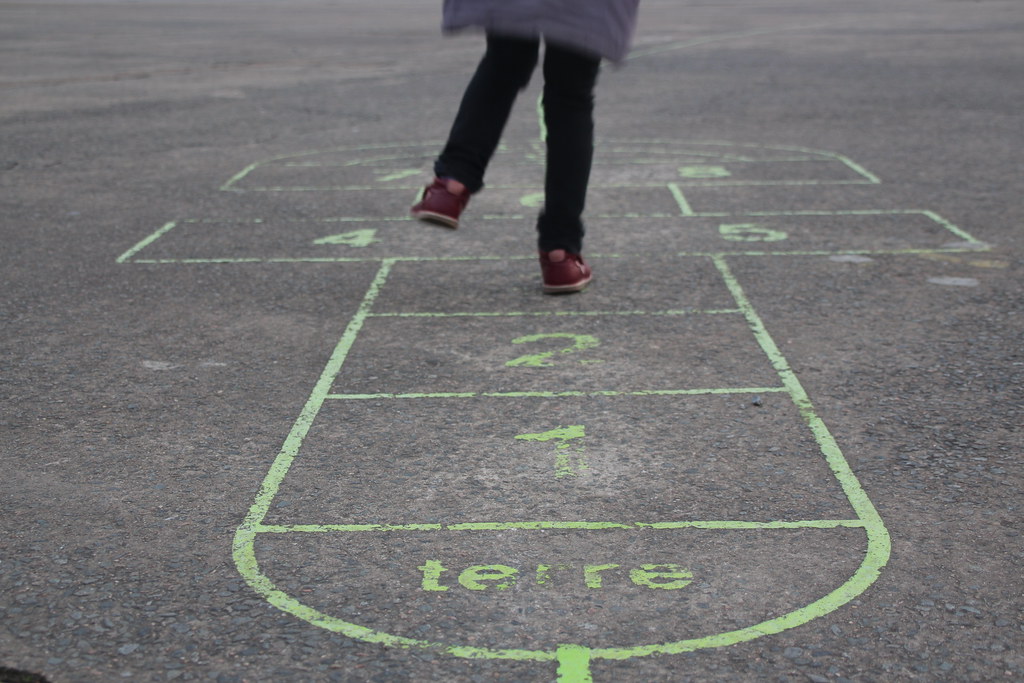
258, 425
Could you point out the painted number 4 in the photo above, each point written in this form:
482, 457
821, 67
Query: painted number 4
353, 238
750, 232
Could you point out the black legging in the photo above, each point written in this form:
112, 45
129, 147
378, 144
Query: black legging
569, 79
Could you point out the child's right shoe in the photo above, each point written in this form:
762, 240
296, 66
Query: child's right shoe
563, 272
439, 205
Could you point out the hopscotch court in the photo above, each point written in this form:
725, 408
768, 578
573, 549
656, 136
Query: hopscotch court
485, 472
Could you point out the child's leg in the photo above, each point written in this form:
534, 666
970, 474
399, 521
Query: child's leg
504, 70
569, 80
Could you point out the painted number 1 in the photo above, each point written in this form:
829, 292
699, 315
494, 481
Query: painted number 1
570, 459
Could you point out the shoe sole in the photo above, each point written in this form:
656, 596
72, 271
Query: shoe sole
567, 289
436, 219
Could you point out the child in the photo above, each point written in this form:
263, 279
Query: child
577, 34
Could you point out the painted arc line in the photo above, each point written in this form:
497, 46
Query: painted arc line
244, 553
867, 573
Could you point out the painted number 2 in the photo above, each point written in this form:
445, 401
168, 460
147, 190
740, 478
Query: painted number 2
580, 342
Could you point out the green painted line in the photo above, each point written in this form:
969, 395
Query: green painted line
693, 214
952, 228
969, 248
672, 47
858, 212
193, 221
707, 391
621, 216
167, 227
257, 259
668, 145
675, 156
557, 394
244, 553
684, 206
377, 397
830, 449
229, 185
558, 314
362, 161
879, 544
773, 183
839, 252
536, 526
872, 178
573, 664
544, 525
527, 188
852, 212
367, 219
544, 394
743, 526
351, 528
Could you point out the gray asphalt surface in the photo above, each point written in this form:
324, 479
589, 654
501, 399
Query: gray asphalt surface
257, 425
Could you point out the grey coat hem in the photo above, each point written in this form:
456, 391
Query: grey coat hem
599, 27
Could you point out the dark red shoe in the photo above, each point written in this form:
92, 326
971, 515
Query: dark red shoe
439, 206
563, 272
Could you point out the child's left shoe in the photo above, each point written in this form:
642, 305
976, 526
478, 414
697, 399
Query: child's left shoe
439, 205
563, 272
